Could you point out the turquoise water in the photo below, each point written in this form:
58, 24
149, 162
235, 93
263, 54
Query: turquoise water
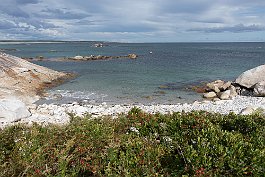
158, 77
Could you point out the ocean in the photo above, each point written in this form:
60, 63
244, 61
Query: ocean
161, 74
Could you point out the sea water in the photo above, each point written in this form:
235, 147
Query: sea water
161, 74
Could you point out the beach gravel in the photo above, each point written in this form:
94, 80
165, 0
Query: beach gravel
58, 114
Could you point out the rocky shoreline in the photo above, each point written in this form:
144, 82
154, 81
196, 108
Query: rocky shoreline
21, 88
23, 83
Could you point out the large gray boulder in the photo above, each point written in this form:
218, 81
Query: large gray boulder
12, 110
250, 77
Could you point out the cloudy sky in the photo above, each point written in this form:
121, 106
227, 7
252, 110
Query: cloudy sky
133, 20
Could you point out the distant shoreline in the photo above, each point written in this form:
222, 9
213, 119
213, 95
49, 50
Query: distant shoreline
158, 42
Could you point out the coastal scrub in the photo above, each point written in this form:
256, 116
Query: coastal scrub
138, 144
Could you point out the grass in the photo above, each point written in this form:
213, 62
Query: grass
138, 144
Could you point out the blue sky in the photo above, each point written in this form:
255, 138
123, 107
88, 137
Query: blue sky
133, 20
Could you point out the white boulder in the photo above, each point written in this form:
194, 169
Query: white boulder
250, 77
247, 111
225, 95
78, 57
12, 110
209, 95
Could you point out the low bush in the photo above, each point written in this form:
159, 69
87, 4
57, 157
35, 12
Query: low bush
138, 144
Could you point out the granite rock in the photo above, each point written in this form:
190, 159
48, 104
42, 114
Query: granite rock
259, 89
250, 77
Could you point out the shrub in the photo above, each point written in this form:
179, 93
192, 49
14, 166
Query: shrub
138, 144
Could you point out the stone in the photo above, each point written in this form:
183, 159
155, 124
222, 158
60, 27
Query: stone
16, 74
78, 57
12, 110
225, 95
233, 91
246, 92
20, 70
57, 96
259, 89
226, 85
216, 89
80, 110
238, 90
132, 56
215, 85
247, 111
209, 95
216, 99
250, 77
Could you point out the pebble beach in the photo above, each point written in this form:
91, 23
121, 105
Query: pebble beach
58, 114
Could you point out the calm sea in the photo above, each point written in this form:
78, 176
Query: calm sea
161, 73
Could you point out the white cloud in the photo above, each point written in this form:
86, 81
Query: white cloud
126, 20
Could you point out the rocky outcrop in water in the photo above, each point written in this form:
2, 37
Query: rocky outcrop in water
21, 83
81, 58
100, 57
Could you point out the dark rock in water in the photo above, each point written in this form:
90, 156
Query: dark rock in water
148, 97
163, 87
40, 57
160, 92
199, 89
57, 96
170, 86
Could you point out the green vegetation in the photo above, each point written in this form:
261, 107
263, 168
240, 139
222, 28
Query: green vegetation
138, 144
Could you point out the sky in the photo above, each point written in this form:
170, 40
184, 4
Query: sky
133, 20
